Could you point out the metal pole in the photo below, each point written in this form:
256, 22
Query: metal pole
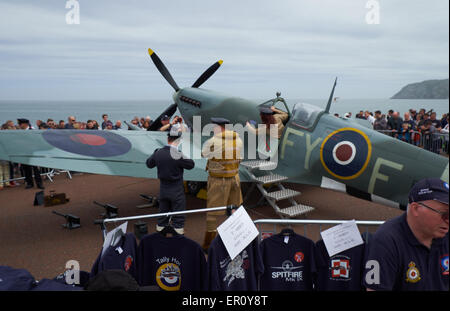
318, 222
203, 210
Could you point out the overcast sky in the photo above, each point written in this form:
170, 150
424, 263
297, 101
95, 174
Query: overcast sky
297, 47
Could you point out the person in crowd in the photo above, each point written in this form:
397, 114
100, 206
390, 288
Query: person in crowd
389, 115
444, 120
51, 123
70, 123
405, 133
444, 130
90, 125
436, 123
105, 121
109, 126
146, 125
270, 116
412, 113
171, 163
118, 125
61, 125
142, 121
380, 123
410, 251
4, 168
223, 152
360, 115
369, 117
430, 141
28, 170
395, 123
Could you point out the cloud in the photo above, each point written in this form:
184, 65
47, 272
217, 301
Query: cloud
294, 46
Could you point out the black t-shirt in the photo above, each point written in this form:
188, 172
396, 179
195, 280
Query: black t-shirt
340, 272
396, 260
122, 257
239, 274
288, 263
172, 263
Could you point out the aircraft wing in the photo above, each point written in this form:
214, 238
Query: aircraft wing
121, 153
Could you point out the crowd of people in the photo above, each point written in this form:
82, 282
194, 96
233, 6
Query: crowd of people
143, 123
421, 128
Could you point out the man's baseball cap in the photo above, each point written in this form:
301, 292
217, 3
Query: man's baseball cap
265, 110
220, 121
165, 117
429, 189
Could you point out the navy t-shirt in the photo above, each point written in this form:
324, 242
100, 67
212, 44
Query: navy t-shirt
239, 274
403, 262
172, 263
340, 272
15, 279
122, 257
288, 263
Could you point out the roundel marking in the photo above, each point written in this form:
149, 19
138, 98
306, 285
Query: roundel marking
345, 153
168, 277
87, 143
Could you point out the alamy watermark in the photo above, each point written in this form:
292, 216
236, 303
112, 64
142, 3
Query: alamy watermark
373, 15
260, 143
72, 274
73, 16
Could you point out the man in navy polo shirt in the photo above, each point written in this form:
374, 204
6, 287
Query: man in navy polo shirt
410, 252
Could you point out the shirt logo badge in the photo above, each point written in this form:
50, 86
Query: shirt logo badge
444, 264
128, 263
299, 256
340, 268
168, 277
412, 274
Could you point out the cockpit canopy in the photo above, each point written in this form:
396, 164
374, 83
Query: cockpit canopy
305, 115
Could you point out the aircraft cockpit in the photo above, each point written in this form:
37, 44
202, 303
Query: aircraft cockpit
305, 115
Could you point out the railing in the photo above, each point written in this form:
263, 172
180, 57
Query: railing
305, 222
434, 142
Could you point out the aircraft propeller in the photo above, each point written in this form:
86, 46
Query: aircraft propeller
166, 74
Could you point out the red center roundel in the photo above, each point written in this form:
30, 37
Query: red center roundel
88, 139
344, 153
299, 257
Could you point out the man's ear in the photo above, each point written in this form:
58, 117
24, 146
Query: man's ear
413, 209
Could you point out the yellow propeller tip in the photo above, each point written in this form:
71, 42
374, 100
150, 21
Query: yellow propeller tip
150, 51
220, 62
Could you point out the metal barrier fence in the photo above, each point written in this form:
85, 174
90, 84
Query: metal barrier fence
48, 172
320, 223
434, 142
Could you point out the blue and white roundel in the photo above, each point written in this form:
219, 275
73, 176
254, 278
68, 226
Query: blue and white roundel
446, 185
345, 153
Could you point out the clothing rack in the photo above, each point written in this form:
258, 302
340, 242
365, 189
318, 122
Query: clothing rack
305, 222
102, 222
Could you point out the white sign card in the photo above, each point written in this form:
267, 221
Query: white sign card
341, 237
111, 235
237, 232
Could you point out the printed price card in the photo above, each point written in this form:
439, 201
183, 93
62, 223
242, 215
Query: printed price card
237, 232
341, 237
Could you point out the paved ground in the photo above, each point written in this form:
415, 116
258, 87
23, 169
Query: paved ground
33, 238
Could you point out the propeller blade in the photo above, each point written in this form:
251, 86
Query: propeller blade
207, 74
169, 112
163, 70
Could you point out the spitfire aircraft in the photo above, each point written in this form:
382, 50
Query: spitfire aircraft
316, 148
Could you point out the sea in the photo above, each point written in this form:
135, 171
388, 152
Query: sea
126, 110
